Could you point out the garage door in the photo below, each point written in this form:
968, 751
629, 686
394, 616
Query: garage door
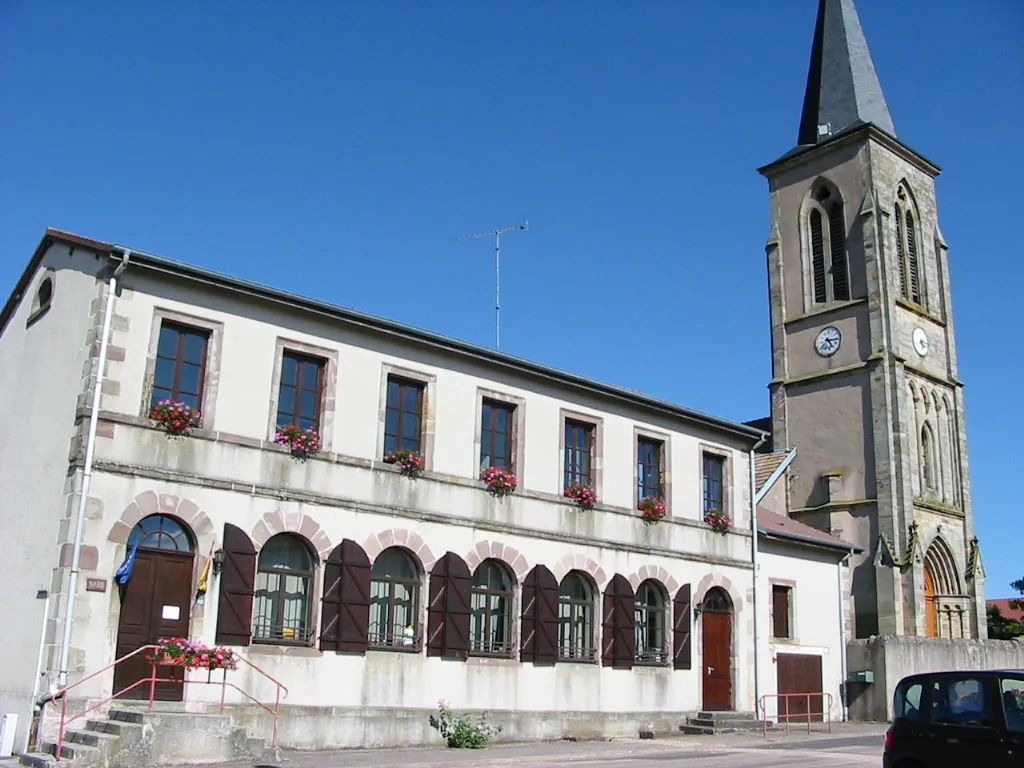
799, 673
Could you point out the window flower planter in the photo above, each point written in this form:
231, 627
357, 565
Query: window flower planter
409, 463
181, 652
718, 520
652, 509
500, 482
584, 496
174, 417
302, 442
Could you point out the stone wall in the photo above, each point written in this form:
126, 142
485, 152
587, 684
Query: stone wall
893, 658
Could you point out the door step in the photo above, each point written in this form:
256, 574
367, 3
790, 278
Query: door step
713, 723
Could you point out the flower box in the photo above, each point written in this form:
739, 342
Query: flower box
500, 482
718, 520
174, 417
182, 652
652, 509
409, 463
302, 442
584, 496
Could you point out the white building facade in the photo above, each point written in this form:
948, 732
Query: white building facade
367, 593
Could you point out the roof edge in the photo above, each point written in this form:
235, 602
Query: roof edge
49, 238
837, 546
157, 263
848, 136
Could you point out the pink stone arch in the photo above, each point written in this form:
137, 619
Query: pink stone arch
152, 503
580, 563
717, 580
503, 552
659, 574
277, 522
400, 537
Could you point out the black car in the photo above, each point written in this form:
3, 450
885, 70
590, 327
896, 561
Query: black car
957, 720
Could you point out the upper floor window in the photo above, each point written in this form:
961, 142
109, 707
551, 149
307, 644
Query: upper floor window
648, 469
301, 391
830, 279
496, 420
911, 287
282, 599
180, 365
714, 483
781, 608
403, 415
579, 453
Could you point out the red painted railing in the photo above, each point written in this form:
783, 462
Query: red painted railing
152, 680
825, 714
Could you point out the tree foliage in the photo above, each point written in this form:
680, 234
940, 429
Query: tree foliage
1002, 628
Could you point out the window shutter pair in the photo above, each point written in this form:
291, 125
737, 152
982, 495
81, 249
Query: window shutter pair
345, 615
237, 580
619, 633
540, 617
682, 611
450, 607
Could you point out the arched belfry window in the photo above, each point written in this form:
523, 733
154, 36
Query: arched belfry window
830, 277
907, 248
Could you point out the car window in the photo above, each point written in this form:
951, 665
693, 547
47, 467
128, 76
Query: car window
908, 701
961, 701
1011, 691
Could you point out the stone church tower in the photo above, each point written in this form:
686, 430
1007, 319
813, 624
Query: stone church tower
864, 369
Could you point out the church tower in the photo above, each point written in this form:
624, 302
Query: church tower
864, 369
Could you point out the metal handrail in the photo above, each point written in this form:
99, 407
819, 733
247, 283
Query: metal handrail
152, 680
826, 714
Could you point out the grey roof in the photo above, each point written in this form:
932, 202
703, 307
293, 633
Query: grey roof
842, 87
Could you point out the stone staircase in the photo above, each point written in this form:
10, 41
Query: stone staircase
713, 723
130, 738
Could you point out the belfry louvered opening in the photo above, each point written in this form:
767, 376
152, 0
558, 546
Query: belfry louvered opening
830, 279
908, 249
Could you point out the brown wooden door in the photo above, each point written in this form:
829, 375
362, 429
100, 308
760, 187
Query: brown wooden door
716, 654
931, 612
799, 673
155, 603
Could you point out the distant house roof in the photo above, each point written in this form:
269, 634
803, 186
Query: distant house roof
780, 527
765, 464
1003, 604
139, 258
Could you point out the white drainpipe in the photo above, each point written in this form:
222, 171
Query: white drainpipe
753, 557
90, 445
842, 635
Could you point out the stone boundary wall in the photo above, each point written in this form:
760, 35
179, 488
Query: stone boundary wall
893, 658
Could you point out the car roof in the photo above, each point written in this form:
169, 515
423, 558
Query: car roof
960, 672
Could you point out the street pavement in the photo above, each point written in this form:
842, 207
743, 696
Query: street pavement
850, 745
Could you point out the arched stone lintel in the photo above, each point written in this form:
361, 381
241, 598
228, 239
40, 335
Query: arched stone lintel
510, 556
580, 563
400, 537
712, 580
273, 523
656, 572
152, 503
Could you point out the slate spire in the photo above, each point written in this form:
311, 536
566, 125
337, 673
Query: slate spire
842, 87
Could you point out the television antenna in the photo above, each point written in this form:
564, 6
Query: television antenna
496, 234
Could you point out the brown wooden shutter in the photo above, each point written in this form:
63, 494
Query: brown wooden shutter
345, 614
448, 616
912, 263
818, 256
899, 252
682, 621
837, 253
539, 629
237, 579
619, 634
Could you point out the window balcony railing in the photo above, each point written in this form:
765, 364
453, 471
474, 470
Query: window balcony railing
270, 633
396, 639
576, 653
488, 647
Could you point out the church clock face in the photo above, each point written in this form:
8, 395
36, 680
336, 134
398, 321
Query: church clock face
921, 341
828, 340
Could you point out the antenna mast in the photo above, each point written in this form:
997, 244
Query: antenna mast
496, 234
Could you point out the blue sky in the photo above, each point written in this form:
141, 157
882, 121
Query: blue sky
336, 148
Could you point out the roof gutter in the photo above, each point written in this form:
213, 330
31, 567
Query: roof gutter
90, 447
839, 546
392, 328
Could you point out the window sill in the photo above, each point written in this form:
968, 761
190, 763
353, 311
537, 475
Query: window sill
788, 641
486, 660
413, 649
273, 648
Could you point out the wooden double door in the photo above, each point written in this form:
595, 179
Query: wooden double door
799, 674
155, 604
